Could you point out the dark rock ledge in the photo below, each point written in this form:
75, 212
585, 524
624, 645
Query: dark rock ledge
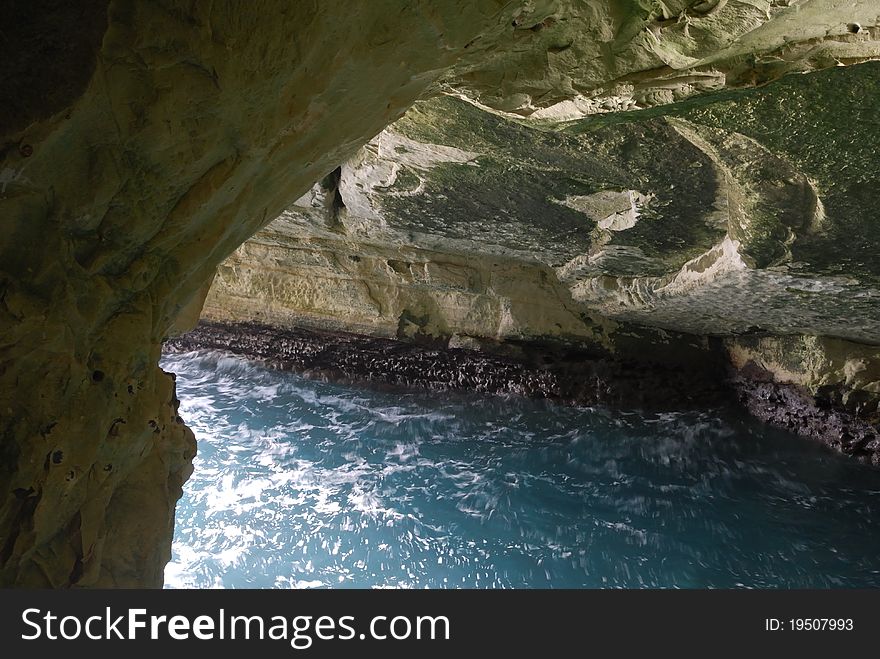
829, 416
550, 371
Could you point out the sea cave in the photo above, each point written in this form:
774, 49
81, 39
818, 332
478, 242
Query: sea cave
448, 294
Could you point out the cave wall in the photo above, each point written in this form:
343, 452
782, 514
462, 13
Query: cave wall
190, 126
291, 275
141, 143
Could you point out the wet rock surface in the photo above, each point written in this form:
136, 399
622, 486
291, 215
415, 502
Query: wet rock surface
823, 416
843, 420
567, 374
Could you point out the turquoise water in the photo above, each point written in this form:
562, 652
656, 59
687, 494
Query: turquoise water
307, 484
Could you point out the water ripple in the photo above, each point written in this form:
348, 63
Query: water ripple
301, 484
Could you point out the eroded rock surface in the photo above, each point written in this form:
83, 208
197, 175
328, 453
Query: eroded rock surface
739, 212
183, 128
743, 214
563, 372
821, 387
141, 143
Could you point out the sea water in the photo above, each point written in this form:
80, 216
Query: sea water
300, 483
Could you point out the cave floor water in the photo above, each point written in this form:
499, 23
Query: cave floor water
301, 483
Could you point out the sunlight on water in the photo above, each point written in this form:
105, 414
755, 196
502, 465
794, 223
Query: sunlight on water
304, 484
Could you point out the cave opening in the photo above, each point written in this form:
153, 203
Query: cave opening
596, 264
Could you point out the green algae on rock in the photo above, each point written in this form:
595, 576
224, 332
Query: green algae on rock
699, 217
718, 216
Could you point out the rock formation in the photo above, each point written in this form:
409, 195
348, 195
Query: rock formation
143, 142
741, 212
460, 225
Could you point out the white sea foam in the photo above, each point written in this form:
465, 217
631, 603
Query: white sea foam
302, 484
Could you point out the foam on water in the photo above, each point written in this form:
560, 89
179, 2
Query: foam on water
301, 484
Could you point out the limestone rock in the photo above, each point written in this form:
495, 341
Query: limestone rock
740, 212
141, 143
176, 130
